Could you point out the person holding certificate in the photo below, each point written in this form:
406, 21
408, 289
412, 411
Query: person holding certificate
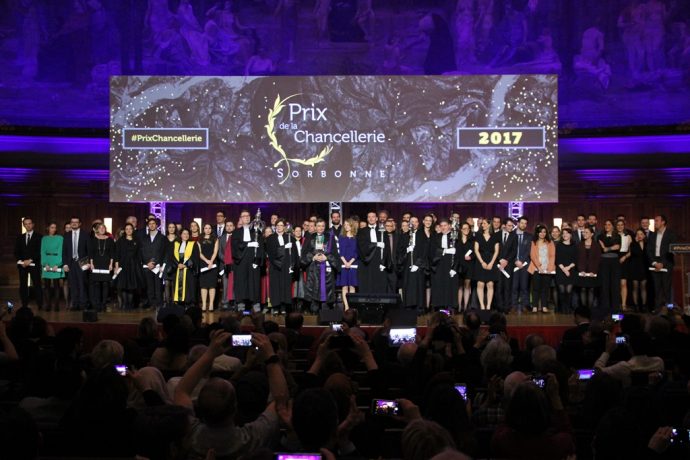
208, 271
542, 267
51, 263
101, 253
444, 264
486, 248
413, 259
279, 249
185, 259
248, 255
467, 261
347, 277
624, 255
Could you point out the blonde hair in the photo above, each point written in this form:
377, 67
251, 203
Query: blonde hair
354, 226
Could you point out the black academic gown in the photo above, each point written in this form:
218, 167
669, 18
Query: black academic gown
248, 266
313, 288
414, 283
281, 260
373, 280
185, 280
444, 288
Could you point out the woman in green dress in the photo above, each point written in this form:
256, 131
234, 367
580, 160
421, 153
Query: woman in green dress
51, 260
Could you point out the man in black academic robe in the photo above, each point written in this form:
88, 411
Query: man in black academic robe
248, 255
279, 248
444, 264
413, 262
375, 255
321, 262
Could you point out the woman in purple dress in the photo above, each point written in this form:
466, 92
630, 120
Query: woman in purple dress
347, 246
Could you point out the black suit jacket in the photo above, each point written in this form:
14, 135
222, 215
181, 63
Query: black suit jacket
82, 246
525, 247
508, 251
666, 258
576, 235
32, 251
153, 250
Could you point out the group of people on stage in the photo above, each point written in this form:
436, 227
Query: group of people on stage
434, 263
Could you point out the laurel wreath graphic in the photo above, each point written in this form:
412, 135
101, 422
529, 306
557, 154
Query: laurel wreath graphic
278, 106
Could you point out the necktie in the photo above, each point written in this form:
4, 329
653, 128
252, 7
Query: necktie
28, 238
519, 244
390, 240
75, 238
505, 237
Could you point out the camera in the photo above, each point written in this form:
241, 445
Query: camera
398, 337
585, 374
462, 389
385, 407
242, 340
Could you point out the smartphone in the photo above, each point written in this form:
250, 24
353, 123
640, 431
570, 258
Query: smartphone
121, 369
10, 306
385, 407
337, 327
621, 339
669, 306
242, 340
585, 374
445, 312
462, 389
617, 317
398, 337
298, 457
539, 380
246, 313
680, 436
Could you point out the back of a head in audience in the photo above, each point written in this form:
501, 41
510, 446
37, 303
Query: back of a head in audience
450, 454
582, 314
160, 431
107, 353
472, 321
406, 353
541, 354
270, 327
294, 321
527, 411
315, 419
533, 341
496, 357
68, 342
423, 439
342, 389
148, 329
195, 315
631, 324
511, 382
217, 402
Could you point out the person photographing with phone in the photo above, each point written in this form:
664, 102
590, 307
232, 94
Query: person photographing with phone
212, 424
639, 346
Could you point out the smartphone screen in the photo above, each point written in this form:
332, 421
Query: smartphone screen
617, 317
621, 340
121, 369
462, 389
386, 407
336, 327
585, 374
398, 337
298, 456
242, 340
539, 381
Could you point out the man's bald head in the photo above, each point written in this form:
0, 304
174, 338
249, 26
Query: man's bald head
511, 382
217, 402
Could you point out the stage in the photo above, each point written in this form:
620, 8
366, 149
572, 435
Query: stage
123, 325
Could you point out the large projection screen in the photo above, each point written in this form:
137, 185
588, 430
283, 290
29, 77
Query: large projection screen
455, 138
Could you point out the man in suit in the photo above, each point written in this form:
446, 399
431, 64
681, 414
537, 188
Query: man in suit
593, 223
572, 346
336, 227
662, 260
220, 224
226, 263
152, 250
393, 238
578, 235
74, 248
496, 224
644, 225
506, 260
520, 276
27, 253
